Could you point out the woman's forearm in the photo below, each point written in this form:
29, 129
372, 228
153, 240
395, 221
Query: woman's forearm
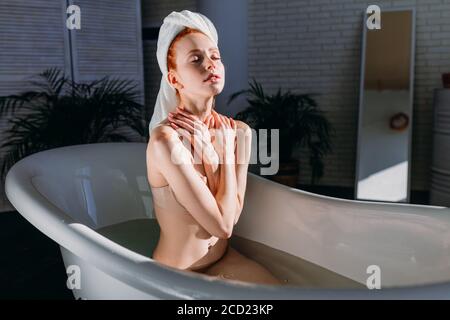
211, 166
226, 194
213, 175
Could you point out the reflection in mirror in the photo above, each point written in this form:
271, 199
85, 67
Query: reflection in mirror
385, 109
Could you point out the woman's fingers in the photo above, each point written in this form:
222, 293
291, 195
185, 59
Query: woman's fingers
222, 120
194, 141
183, 114
196, 131
229, 122
184, 119
181, 117
183, 132
208, 121
233, 123
181, 120
218, 122
226, 121
186, 114
182, 124
194, 123
187, 125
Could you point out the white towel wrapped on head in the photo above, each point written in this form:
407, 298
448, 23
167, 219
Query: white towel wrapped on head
173, 24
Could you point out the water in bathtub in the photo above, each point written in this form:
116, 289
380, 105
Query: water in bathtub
142, 235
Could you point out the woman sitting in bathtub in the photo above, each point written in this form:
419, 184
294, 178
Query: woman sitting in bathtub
197, 203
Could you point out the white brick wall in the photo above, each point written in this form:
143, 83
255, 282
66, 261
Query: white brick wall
315, 45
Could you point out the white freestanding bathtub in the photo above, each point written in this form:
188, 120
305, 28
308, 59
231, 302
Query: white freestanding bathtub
68, 193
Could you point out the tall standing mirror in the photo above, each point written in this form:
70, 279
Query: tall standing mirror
383, 159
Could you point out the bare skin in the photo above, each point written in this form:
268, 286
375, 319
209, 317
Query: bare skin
197, 240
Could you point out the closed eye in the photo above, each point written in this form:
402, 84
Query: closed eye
214, 58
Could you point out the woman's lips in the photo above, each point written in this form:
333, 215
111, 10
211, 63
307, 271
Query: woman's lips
213, 78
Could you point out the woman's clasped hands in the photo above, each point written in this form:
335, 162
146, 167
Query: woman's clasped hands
213, 139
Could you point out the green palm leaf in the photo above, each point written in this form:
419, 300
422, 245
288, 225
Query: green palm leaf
298, 118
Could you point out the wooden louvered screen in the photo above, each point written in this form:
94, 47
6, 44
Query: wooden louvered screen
109, 42
31, 40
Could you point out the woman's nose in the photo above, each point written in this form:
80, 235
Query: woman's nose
210, 64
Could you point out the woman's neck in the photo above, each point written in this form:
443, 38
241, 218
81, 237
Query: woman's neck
199, 108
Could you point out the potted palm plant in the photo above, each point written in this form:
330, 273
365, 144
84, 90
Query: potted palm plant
300, 123
61, 112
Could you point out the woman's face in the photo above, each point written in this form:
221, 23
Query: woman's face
196, 58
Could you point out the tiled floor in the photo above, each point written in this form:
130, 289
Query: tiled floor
31, 266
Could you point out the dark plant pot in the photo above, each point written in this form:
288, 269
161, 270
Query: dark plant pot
446, 80
288, 173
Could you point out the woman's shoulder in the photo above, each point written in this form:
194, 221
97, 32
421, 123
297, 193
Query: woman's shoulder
160, 137
241, 125
163, 131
